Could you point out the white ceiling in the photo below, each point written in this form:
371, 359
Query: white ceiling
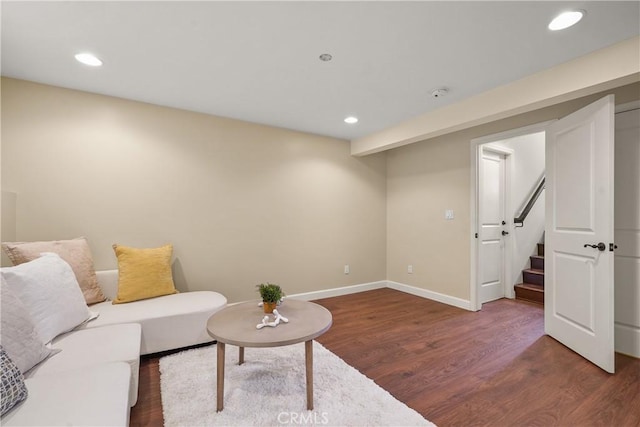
258, 61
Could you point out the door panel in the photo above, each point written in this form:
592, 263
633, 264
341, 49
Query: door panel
579, 210
491, 215
573, 191
491, 253
575, 299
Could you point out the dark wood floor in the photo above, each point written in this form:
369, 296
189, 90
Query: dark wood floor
458, 368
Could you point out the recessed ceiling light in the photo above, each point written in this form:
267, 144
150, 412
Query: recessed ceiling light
88, 59
325, 57
351, 120
566, 20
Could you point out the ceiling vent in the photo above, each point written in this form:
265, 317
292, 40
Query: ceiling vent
440, 92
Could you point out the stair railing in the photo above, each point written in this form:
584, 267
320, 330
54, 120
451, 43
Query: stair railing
532, 201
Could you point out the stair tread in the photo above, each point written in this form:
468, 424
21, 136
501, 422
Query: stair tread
534, 271
537, 256
530, 286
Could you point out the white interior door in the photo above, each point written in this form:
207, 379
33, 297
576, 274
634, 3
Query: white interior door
492, 218
578, 307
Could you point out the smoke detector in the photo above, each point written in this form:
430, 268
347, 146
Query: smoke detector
440, 92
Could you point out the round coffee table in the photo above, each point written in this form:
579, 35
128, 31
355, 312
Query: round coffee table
236, 325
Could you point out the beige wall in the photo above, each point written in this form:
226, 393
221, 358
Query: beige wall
241, 203
426, 178
7, 221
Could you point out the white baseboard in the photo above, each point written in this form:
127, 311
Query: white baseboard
627, 340
435, 296
336, 292
424, 293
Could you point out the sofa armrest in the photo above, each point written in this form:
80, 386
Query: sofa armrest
108, 281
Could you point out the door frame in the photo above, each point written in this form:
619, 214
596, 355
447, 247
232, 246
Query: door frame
474, 251
626, 338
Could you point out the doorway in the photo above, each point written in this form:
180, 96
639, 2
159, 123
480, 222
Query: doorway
523, 153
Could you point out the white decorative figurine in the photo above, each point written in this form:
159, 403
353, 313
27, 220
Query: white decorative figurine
265, 320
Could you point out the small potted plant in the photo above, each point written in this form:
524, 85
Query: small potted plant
271, 295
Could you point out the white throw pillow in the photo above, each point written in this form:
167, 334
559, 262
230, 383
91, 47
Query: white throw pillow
18, 335
50, 292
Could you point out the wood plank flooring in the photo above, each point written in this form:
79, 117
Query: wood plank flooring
458, 368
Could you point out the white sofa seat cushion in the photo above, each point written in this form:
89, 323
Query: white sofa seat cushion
94, 347
82, 397
168, 322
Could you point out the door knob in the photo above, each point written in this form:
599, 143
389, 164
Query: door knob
504, 233
600, 246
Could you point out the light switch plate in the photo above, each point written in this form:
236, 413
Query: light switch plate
448, 214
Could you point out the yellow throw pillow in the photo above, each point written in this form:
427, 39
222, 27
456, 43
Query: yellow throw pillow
143, 273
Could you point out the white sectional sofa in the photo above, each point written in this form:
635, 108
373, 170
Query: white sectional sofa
93, 379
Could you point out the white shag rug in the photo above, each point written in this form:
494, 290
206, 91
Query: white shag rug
269, 390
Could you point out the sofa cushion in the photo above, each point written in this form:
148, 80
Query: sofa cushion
143, 273
12, 388
49, 291
82, 397
76, 252
17, 332
168, 322
93, 347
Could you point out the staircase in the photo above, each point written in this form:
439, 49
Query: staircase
532, 288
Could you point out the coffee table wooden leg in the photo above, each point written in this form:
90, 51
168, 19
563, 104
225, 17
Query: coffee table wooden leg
308, 359
240, 355
220, 378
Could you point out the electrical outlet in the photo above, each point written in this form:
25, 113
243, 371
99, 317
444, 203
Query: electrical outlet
410, 269
347, 270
